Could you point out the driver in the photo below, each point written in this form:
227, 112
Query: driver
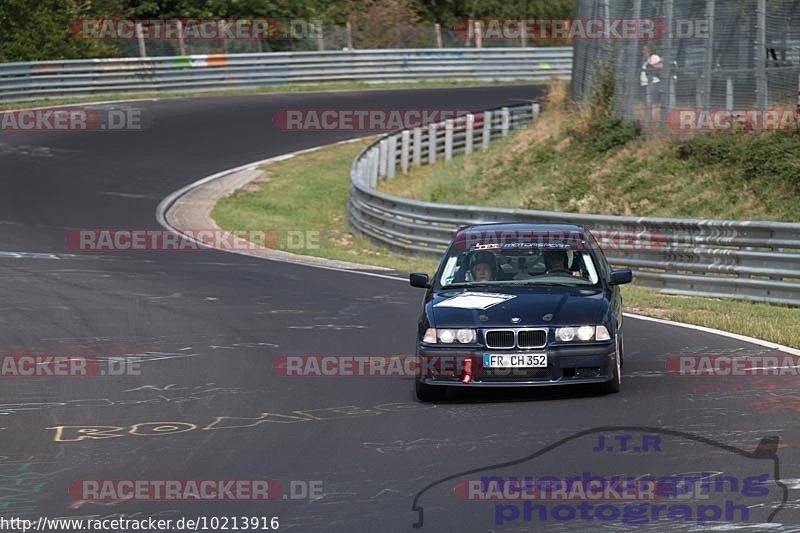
483, 267
556, 263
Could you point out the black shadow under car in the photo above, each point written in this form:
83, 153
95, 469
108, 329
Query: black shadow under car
520, 305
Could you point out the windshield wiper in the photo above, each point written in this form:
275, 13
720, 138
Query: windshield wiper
469, 284
553, 284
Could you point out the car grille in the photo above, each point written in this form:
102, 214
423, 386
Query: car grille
531, 338
500, 338
515, 338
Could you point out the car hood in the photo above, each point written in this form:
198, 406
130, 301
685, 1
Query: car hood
545, 306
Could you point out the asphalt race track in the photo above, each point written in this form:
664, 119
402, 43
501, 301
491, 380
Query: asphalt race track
205, 328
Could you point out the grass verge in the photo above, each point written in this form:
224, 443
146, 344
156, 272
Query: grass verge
595, 163
304, 202
298, 88
310, 193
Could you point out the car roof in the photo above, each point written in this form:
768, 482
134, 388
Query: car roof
521, 227
536, 235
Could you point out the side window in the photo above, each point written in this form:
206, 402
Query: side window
602, 264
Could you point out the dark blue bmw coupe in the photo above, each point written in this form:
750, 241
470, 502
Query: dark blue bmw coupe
520, 305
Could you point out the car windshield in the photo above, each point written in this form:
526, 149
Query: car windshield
510, 265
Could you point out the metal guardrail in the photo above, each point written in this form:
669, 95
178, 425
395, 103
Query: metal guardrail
757, 261
79, 78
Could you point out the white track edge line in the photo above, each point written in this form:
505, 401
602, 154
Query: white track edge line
167, 202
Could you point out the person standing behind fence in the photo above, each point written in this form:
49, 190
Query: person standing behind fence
649, 78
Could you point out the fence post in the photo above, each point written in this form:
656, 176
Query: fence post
349, 29
431, 143
140, 38
704, 84
437, 29
506, 119
523, 33
761, 55
320, 39
448, 140
667, 102
469, 133
729, 94
406, 136
181, 39
631, 75
391, 163
487, 129
417, 152
478, 35
223, 31
383, 157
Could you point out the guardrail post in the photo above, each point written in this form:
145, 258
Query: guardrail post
448, 140
431, 143
374, 164
487, 129
417, 156
361, 172
535, 110
469, 133
406, 137
382, 157
506, 118
391, 164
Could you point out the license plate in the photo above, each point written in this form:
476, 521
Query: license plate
531, 360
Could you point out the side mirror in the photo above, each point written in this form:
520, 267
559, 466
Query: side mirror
419, 280
621, 277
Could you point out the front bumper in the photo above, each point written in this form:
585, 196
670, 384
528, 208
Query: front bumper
566, 365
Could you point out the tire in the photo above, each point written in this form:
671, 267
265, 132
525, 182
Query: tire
613, 386
430, 393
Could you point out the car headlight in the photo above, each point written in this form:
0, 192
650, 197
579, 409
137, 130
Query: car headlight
447, 336
565, 334
466, 336
583, 334
450, 336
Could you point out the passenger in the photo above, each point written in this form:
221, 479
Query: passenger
483, 267
556, 263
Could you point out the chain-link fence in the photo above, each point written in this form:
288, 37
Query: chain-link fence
297, 35
693, 65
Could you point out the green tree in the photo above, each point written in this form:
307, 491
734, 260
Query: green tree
31, 31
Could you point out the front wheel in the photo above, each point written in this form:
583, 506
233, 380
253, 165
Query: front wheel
613, 386
430, 393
